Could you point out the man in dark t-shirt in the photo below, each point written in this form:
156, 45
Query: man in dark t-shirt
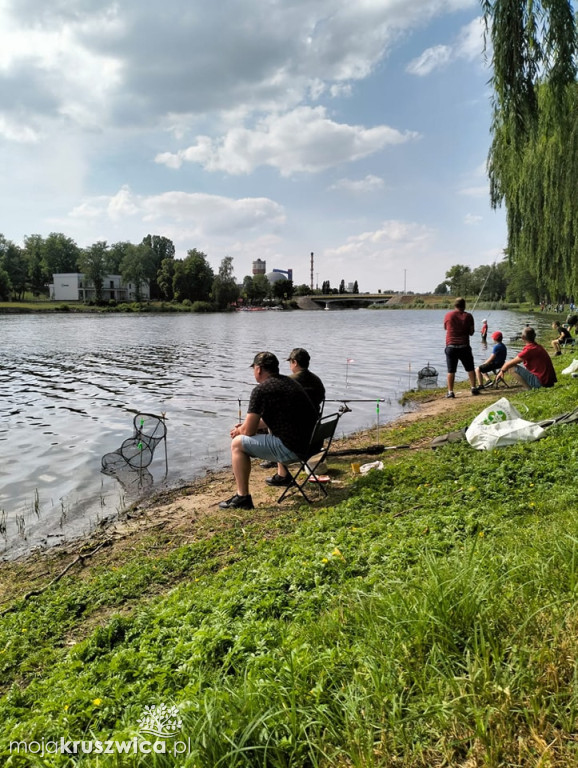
282, 406
299, 360
564, 337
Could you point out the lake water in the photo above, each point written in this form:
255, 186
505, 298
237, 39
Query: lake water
71, 384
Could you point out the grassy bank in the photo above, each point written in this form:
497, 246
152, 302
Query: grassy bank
428, 619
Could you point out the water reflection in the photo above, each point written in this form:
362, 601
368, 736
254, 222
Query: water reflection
71, 385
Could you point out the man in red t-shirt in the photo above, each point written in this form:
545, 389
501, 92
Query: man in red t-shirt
532, 366
459, 326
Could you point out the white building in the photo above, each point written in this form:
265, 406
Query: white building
73, 286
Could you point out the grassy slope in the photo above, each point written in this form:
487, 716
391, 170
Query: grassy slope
429, 619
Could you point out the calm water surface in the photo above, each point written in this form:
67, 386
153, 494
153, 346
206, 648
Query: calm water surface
71, 384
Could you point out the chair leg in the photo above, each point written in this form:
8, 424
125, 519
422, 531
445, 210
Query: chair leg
295, 484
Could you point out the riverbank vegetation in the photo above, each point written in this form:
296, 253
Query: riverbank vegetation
426, 615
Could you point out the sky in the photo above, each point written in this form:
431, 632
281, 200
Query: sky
256, 129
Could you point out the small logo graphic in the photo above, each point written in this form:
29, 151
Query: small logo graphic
160, 720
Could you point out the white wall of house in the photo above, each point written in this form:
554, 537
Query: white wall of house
66, 287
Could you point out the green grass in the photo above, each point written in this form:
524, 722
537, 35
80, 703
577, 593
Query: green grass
428, 619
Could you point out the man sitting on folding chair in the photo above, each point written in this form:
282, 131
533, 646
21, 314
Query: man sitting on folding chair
280, 404
494, 362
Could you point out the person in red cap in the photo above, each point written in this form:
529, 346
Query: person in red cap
495, 361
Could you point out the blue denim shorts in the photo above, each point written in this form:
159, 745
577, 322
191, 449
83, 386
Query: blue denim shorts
529, 378
268, 447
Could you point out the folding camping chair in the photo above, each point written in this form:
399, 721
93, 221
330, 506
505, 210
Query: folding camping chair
494, 383
316, 454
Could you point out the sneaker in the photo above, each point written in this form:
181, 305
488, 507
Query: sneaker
556, 355
268, 464
475, 391
238, 502
278, 480
450, 394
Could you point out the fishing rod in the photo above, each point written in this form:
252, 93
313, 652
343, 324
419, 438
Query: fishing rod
246, 399
483, 286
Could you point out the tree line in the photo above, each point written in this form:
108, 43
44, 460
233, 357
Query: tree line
29, 269
502, 281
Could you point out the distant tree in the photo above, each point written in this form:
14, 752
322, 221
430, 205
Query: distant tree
61, 254
522, 285
262, 288
13, 262
326, 287
302, 290
225, 289
92, 263
165, 278
248, 289
138, 266
458, 278
34, 254
342, 286
5, 285
441, 289
356, 287
193, 277
283, 289
114, 256
162, 248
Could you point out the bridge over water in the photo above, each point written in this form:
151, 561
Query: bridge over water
343, 300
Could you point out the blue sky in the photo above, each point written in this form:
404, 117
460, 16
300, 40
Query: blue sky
254, 129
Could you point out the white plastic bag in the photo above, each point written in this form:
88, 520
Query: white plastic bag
365, 468
572, 367
501, 424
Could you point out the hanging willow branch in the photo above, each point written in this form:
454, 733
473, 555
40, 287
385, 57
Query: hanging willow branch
532, 163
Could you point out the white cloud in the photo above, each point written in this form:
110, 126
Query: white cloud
469, 45
393, 242
471, 219
202, 214
432, 58
369, 184
100, 64
470, 42
303, 140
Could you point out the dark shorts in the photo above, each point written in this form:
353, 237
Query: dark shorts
487, 367
462, 355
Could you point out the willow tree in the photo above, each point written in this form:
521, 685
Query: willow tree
533, 159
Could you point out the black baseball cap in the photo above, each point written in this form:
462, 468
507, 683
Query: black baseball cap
301, 356
266, 360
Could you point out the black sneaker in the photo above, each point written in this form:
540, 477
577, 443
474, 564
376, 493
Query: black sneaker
238, 502
450, 394
475, 391
278, 480
268, 464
